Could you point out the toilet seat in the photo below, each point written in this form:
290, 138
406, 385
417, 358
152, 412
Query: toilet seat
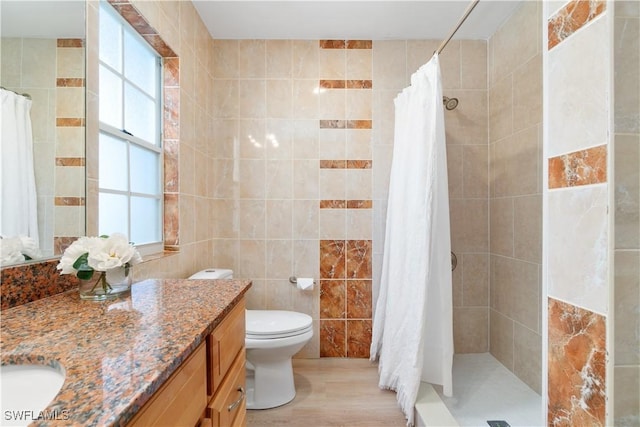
273, 324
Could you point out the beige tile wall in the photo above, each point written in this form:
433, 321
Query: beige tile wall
515, 203
626, 408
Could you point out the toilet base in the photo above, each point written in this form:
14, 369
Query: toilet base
270, 384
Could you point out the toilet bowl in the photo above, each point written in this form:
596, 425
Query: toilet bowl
272, 338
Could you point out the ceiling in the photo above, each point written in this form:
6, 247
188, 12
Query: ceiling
289, 19
42, 19
351, 20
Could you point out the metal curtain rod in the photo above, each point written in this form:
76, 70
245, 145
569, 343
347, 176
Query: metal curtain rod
473, 4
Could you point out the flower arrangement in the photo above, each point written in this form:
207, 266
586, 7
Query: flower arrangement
18, 249
112, 256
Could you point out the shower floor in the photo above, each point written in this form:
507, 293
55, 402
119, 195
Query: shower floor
485, 390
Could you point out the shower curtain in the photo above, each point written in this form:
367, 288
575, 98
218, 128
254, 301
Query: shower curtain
18, 200
413, 326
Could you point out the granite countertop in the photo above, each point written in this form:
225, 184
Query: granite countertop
115, 354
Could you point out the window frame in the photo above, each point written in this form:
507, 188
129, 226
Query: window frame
132, 140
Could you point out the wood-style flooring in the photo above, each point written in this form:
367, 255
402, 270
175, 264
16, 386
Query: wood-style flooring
331, 393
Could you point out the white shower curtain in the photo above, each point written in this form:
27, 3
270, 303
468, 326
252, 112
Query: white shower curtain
18, 200
413, 325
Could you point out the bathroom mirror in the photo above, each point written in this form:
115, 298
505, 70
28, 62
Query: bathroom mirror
43, 55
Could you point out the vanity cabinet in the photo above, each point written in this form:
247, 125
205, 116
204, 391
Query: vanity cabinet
181, 399
208, 389
226, 392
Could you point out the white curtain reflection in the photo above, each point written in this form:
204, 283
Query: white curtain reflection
18, 204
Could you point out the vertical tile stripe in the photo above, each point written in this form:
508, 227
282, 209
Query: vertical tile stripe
70, 82
573, 16
69, 122
69, 161
69, 201
346, 44
70, 43
579, 168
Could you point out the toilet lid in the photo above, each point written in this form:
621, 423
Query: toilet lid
276, 323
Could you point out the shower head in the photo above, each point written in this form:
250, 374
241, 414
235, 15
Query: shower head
449, 103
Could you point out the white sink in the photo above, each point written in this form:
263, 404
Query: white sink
26, 391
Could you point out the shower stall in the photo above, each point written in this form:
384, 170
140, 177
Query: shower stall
493, 122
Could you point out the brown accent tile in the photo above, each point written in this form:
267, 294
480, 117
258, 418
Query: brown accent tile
358, 259
69, 161
30, 282
333, 338
70, 43
333, 84
579, 168
69, 122
333, 204
140, 24
332, 299
359, 204
359, 44
359, 124
573, 16
577, 362
69, 201
171, 165
359, 84
332, 44
359, 305
359, 164
70, 82
171, 75
171, 113
333, 164
61, 243
156, 42
171, 219
332, 259
133, 17
358, 338
333, 124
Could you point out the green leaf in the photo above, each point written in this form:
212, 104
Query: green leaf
85, 274
82, 262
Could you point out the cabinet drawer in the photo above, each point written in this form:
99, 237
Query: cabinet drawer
224, 343
228, 407
182, 400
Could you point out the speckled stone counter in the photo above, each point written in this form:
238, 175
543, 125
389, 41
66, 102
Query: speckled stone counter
115, 354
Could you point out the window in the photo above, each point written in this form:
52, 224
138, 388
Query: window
130, 144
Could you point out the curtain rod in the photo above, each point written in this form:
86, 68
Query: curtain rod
473, 4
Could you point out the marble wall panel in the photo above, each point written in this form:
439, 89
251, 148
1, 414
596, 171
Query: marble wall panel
577, 248
576, 366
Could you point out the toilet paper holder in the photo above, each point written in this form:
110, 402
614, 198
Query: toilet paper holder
294, 280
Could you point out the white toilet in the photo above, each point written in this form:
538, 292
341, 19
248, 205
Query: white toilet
272, 338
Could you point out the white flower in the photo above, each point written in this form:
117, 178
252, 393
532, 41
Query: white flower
30, 248
101, 254
10, 250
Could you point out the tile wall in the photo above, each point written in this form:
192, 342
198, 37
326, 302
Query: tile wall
292, 180
577, 102
515, 200
626, 371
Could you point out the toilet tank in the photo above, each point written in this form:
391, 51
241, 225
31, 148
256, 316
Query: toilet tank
213, 273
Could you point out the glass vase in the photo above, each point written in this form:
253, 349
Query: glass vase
105, 285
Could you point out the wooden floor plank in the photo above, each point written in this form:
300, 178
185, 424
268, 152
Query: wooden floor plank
333, 393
